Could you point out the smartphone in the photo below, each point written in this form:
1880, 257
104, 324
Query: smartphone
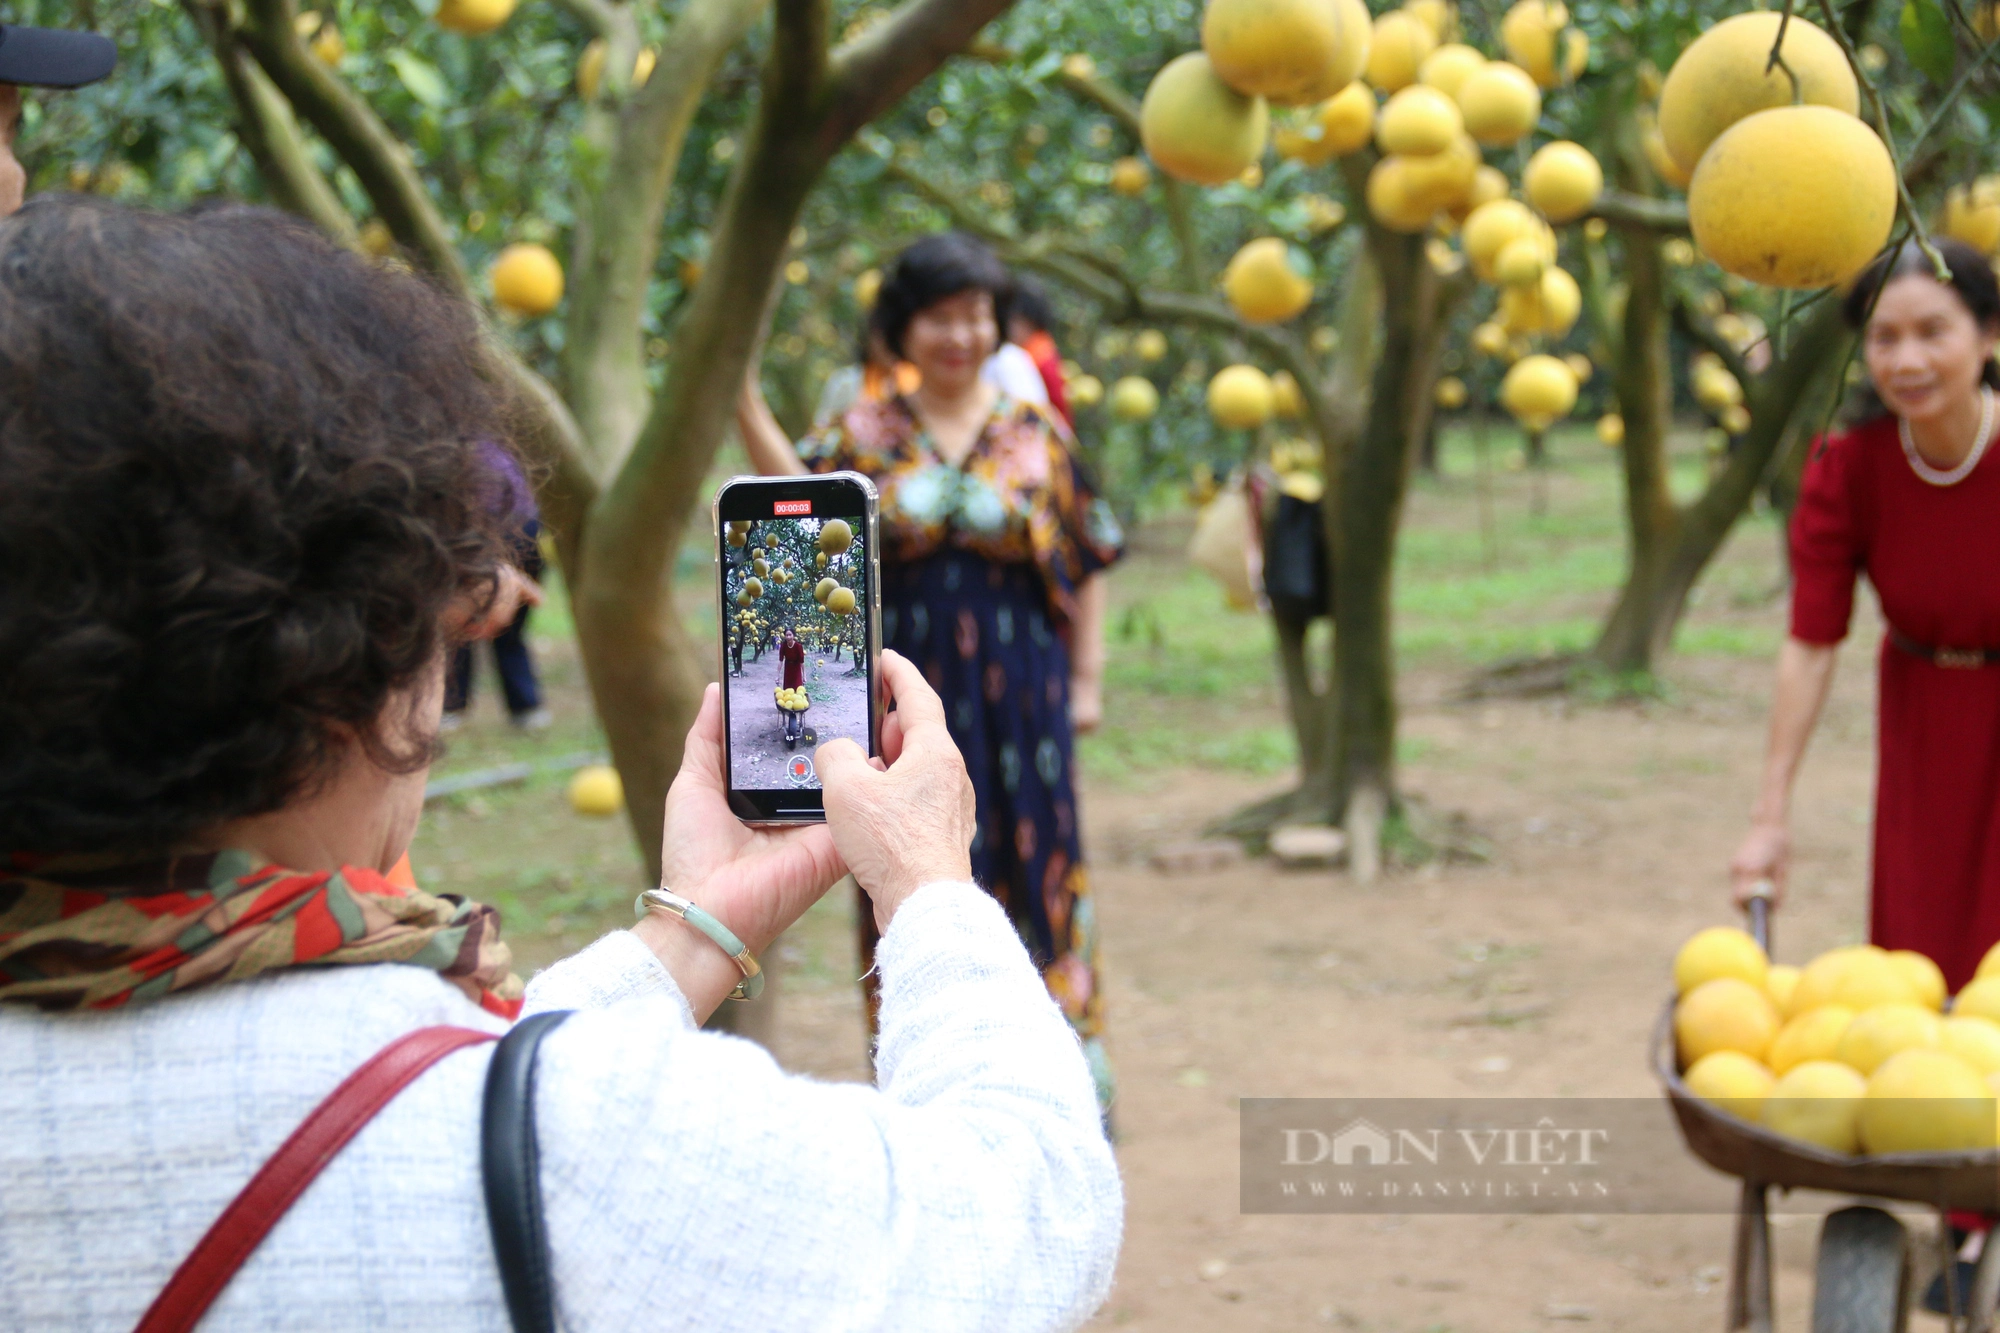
798, 592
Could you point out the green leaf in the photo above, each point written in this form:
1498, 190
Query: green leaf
420, 77
1926, 37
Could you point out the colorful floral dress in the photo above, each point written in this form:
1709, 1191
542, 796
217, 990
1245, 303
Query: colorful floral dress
981, 562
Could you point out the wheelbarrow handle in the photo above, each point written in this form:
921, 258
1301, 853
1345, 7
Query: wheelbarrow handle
1758, 907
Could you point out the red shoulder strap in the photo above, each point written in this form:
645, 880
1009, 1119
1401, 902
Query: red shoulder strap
278, 1184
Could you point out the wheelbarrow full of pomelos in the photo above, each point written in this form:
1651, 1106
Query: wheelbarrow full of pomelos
792, 705
1853, 1075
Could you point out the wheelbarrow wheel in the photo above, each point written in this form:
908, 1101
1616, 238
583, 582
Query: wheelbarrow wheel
1863, 1280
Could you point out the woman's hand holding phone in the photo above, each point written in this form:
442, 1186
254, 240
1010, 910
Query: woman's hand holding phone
906, 819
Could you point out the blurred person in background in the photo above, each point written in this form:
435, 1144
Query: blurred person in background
514, 500
994, 547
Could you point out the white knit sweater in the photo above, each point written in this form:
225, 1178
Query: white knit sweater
690, 1183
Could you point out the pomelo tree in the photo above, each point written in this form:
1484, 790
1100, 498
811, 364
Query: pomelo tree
437, 134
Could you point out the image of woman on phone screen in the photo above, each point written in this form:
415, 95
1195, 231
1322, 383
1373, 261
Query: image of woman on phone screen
993, 547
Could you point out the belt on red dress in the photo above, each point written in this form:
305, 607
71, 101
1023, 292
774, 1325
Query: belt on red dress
1957, 658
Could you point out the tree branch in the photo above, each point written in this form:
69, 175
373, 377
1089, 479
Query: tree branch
1696, 328
269, 132
619, 210
1636, 210
378, 159
873, 72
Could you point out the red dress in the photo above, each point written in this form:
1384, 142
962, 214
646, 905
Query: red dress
792, 658
1933, 556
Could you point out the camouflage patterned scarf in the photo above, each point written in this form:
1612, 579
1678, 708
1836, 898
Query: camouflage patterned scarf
97, 932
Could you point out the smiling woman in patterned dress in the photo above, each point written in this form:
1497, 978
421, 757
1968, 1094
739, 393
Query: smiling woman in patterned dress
993, 545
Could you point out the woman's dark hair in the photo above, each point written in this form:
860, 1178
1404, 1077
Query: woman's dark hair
933, 269
240, 485
1972, 280
1031, 302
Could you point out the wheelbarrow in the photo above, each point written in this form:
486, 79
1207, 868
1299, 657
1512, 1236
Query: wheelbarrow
793, 720
1868, 1267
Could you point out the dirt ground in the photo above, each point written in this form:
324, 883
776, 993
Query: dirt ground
1610, 827
757, 752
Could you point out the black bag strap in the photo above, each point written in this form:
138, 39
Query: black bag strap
509, 1162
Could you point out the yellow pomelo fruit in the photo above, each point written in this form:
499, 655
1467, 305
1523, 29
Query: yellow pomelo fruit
1393, 199
1130, 176
1134, 398
1149, 345
1086, 391
823, 589
1279, 49
1500, 103
1780, 980
1881, 1032
1437, 15
1489, 339
1531, 33
1813, 1035
329, 47
1450, 393
1351, 55
1870, 979
1417, 121
1197, 127
527, 279
1818, 1102
1817, 980
1346, 120
1732, 1081
1924, 977
1611, 429
1713, 386
1488, 184
1989, 964
1799, 197
590, 68
1442, 180
1240, 397
1286, 400
1562, 180
1973, 215
753, 588
1520, 262
377, 239
1584, 369
1262, 285
835, 536
1926, 1101
1662, 161
1980, 998
1538, 390
1488, 229
1973, 1040
473, 17
840, 601
596, 790
1550, 307
1720, 78
1397, 50
1446, 68
1441, 257
760, 567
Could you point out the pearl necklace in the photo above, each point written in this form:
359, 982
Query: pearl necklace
1938, 476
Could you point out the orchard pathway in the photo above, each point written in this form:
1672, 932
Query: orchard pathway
756, 730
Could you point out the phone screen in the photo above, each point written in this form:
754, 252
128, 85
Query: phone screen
796, 581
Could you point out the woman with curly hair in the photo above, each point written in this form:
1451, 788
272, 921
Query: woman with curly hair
243, 522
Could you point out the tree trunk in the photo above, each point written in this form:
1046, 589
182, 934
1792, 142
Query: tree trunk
1672, 545
1374, 479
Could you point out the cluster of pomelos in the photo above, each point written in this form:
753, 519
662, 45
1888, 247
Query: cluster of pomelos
793, 700
1786, 186
1851, 1053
